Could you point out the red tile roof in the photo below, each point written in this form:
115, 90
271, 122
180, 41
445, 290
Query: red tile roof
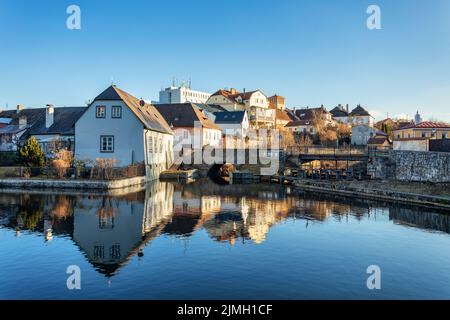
427, 125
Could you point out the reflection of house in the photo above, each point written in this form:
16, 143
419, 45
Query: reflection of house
51, 126
255, 102
110, 230
191, 125
118, 125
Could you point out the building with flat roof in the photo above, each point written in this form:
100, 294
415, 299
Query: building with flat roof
182, 94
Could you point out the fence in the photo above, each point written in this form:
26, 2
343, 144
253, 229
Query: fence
94, 173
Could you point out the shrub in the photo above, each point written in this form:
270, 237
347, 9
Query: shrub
32, 154
104, 168
63, 160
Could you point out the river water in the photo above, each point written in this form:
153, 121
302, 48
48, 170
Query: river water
206, 241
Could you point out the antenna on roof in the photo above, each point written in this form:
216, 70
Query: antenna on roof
112, 81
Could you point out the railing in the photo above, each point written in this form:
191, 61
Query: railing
350, 151
319, 150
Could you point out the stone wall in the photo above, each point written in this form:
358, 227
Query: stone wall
412, 166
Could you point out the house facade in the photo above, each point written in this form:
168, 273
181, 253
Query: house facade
301, 127
255, 103
118, 125
191, 126
426, 129
234, 126
360, 116
417, 137
341, 114
361, 134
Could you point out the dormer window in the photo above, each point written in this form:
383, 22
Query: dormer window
100, 112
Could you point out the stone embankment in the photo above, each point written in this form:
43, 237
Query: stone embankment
420, 194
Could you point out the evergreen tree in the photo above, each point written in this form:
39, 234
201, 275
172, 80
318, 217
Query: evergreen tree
32, 154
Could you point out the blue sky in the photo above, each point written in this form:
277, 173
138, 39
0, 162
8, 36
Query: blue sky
312, 52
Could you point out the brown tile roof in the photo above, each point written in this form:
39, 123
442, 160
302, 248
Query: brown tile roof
426, 125
233, 96
147, 113
310, 113
377, 140
299, 123
184, 115
282, 115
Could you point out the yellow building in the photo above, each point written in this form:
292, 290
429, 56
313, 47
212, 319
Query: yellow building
426, 129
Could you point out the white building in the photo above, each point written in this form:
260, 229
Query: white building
182, 94
360, 116
362, 133
255, 103
118, 125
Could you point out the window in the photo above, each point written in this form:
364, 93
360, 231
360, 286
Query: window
424, 134
100, 112
150, 144
107, 144
444, 135
116, 112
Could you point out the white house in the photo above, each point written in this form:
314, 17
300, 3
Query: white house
360, 116
234, 125
362, 133
118, 125
301, 127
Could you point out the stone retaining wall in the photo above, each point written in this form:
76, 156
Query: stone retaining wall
70, 184
412, 166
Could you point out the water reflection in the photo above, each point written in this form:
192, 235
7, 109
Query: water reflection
109, 230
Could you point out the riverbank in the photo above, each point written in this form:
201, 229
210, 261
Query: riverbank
424, 194
70, 184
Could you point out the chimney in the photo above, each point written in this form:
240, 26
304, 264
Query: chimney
346, 107
22, 123
20, 108
49, 116
233, 90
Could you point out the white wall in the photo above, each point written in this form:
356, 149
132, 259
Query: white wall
182, 95
128, 134
159, 153
411, 145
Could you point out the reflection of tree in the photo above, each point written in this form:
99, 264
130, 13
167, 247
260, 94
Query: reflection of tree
63, 208
31, 212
